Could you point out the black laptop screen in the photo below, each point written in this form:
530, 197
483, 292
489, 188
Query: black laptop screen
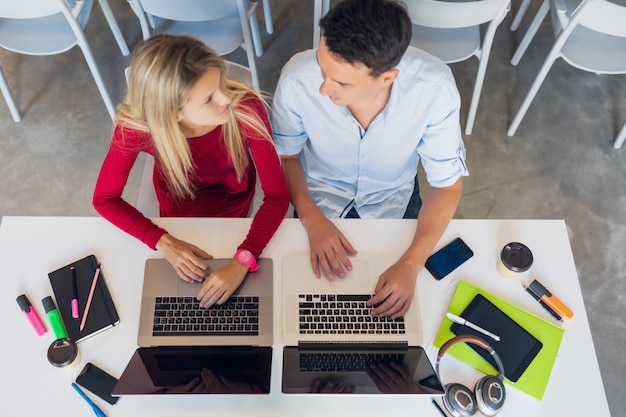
358, 370
197, 370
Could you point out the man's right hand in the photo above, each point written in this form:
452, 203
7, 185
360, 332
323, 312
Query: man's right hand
187, 259
329, 247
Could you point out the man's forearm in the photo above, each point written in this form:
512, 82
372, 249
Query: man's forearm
434, 216
298, 188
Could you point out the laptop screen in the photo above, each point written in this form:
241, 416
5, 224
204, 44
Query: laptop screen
359, 370
197, 370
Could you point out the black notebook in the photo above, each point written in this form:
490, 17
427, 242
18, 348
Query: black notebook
517, 347
102, 313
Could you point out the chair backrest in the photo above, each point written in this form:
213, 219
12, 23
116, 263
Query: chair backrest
454, 14
190, 10
601, 16
32, 9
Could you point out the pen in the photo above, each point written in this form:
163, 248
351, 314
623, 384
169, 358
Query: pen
54, 318
550, 299
438, 408
94, 407
74, 294
463, 322
88, 305
543, 304
31, 314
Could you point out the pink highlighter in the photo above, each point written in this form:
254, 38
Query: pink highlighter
31, 314
75, 313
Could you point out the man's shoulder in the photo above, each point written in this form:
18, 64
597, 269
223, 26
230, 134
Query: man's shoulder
302, 64
417, 63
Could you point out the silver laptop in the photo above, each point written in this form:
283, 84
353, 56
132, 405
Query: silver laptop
322, 310
170, 314
333, 340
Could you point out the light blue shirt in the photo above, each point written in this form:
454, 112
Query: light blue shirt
371, 170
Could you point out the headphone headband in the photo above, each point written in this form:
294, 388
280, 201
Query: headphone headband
475, 340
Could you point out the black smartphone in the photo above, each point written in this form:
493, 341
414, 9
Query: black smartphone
448, 258
98, 381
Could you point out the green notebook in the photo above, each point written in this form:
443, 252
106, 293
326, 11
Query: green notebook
535, 378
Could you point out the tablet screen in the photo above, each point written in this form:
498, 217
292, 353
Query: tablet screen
517, 348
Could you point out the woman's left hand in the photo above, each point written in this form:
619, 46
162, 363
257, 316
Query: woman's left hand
218, 286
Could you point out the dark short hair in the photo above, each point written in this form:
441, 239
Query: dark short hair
375, 33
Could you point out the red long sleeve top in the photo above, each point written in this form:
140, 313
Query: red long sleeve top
218, 193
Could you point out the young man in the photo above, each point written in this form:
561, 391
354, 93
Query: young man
351, 121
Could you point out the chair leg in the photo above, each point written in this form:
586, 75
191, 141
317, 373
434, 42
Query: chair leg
95, 72
108, 14
256, 35
519, 15
248, 43
269, 22
620, 138
4, 87
530, 33
543, 72
320, 8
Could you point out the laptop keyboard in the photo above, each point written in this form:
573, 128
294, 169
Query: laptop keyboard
183, 316
350, 362
343, 314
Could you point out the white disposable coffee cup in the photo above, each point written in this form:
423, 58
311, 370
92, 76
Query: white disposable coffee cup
515, 258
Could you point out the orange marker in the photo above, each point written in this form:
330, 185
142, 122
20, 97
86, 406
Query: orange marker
550, 300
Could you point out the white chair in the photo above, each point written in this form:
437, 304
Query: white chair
590, 37
223, 25
621, 137
49, 27
451, 31
147, 203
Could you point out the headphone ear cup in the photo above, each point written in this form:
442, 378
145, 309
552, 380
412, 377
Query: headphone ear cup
490, 395
459, 400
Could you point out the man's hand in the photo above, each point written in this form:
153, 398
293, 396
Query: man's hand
187, 259
329, 248
221, 284
395, 290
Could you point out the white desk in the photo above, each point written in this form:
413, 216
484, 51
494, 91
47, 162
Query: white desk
30, 247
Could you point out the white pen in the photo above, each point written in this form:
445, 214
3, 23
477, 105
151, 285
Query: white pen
463, 322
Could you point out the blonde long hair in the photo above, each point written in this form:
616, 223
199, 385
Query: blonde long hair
162, 71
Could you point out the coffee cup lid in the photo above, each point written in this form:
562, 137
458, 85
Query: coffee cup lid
516, 256
62, 352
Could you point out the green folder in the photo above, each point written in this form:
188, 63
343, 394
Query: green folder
535, 378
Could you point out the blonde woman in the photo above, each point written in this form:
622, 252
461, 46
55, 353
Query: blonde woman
209, 136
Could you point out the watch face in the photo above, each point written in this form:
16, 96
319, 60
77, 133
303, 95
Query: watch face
245, 256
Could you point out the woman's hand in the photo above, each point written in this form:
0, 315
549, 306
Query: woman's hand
187, 259
221, 284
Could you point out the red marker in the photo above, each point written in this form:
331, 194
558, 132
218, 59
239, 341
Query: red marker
31, 314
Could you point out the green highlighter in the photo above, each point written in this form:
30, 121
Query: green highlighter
54, 318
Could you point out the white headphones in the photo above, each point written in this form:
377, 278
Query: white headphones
489, 394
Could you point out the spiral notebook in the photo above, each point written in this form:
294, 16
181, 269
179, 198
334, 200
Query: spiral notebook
102, 313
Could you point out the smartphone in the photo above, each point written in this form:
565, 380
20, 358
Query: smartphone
98, 381
448, 258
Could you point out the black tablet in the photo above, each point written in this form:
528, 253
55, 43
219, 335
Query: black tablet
517, 348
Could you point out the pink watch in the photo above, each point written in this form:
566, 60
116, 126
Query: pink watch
244, 257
